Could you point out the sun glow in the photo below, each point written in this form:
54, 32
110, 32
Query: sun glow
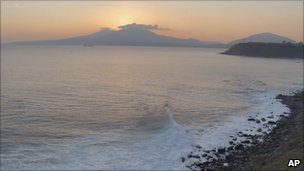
126, 13
208, 21
123, 20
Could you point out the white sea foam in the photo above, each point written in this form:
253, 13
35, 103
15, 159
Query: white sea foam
158, 151
266, 106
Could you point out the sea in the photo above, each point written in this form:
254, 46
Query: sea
131, 108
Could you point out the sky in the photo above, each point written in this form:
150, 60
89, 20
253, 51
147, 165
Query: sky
221, 21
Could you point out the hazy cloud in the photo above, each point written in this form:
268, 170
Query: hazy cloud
104, 28
142, 26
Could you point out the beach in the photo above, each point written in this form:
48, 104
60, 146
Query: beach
284, 142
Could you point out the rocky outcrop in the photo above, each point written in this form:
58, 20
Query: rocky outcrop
271, 50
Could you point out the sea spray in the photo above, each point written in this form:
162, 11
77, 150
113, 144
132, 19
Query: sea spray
238, 128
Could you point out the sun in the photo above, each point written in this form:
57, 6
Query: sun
124, 19
119, 20
122, 15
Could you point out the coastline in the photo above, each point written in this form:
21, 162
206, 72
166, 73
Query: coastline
270, 151
267, 50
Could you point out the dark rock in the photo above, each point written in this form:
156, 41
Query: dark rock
257, 121
241, 156
196, 156
228, 157
204, 155
231, 142
259, 130
271, 122
183, 159
201, 165
230, 148
206, 163
221, 150
251, 119
209, 169
254, 142
263, 119
245, 142
239, 147
270, 117
198, 146
193, 156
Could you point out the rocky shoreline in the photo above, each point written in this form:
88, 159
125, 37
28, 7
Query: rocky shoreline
247, 153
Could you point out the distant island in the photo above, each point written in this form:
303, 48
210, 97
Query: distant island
143, 35
262, 37
270, 50
127, 35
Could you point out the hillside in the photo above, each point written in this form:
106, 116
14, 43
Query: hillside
262, 37
272, 50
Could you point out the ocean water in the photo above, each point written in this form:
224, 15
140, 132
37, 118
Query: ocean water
73, 107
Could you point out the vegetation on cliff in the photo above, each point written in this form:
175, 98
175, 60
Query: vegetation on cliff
273, 50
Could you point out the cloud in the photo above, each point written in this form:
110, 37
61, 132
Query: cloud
104, 28
142, 27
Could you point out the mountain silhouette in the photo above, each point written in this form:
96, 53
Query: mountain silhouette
262, 37
128, 35
141, 35
269, 50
